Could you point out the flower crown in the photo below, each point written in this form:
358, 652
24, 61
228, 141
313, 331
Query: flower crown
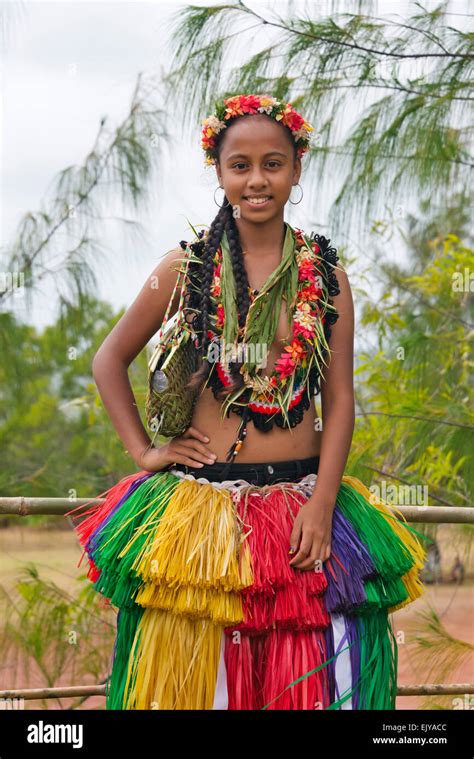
239, 105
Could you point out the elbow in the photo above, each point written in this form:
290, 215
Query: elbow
95, 365
99, 361
340, 403
105, 362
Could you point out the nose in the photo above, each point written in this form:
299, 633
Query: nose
257, 179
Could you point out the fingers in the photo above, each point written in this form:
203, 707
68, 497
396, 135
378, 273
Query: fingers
295, 537
315, 561
195, 452
303, 552
193, 432
311, 554
195, 449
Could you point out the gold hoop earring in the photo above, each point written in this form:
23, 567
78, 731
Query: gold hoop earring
215, 201
293, 202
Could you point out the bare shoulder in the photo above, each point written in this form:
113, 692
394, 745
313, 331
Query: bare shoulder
343, 301
339, 376
145, 315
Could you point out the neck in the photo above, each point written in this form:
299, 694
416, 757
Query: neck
260, 240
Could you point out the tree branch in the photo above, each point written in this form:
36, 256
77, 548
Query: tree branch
373, 51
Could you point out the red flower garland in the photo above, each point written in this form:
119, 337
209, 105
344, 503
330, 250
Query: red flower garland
307, 311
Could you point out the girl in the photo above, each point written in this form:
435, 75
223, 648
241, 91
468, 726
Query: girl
248, 571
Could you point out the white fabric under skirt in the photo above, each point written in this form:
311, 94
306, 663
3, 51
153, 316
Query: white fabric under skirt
343, 671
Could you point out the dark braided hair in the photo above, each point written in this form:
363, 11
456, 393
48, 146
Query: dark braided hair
198, 297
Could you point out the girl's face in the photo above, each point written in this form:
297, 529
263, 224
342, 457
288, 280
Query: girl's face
257, 160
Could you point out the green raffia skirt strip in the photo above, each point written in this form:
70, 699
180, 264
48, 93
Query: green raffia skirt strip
211, 615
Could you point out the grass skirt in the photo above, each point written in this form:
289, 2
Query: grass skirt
200, 575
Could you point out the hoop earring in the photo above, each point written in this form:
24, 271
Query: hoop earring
215, 201
295, 203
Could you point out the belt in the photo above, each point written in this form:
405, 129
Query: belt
255, 472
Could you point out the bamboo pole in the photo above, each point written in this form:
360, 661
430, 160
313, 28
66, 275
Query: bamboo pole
66, 691
74, 691
24, 507
21, 506
436, 689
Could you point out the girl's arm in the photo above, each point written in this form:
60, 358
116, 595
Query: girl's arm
337, 398
310, 539
129, 336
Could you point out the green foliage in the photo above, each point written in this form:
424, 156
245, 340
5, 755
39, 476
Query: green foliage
55, 435
435, 655
50, 634
57, 242
414, 391
407, 83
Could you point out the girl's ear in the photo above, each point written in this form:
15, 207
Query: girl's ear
297, 170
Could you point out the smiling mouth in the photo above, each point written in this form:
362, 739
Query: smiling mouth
257, 201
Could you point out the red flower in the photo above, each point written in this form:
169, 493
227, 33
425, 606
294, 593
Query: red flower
293, 353
293, 120
220, 315
306, 271
240, 104
285, 365
207, 140
299, 329
310, 293
250, 103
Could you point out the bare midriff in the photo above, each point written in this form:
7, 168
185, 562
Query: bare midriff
278, 444
299, 442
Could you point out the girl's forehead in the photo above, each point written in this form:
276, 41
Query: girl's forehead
255, 138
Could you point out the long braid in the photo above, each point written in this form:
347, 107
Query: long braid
201, 300
201, 322
241, 288
238, 266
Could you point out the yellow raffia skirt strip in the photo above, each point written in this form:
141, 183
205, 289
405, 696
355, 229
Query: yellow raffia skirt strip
193, 567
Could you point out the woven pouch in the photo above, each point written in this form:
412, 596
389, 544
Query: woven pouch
169, 404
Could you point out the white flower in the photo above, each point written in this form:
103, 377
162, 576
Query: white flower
305, 256
215, 124
304, 318
301, 134
267, 104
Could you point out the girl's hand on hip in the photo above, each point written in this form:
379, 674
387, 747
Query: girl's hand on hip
311, 536
188, 448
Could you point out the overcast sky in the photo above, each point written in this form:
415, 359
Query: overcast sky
65, 65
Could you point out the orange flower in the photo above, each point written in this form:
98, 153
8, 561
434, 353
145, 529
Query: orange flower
296, 349
216, 287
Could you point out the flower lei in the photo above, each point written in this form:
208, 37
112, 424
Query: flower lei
308, 333
239, 105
